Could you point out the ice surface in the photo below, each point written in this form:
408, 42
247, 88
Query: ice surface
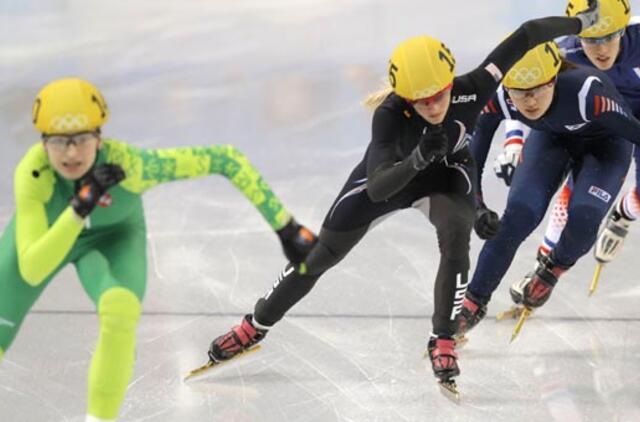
282, 80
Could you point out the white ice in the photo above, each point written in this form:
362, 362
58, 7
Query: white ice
282, 80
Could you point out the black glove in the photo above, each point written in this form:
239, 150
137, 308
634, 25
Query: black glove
297, 241
487, 223
94, 185
432, 147
590, 15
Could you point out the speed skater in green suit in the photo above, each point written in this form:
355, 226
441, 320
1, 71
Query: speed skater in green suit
78, 200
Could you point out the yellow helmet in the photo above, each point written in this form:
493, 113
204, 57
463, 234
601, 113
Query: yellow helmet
420, 67
69, 106
614, 16
537, 67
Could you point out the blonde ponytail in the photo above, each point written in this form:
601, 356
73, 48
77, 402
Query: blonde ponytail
373, 100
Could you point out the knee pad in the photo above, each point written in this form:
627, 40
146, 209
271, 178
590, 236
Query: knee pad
119, 309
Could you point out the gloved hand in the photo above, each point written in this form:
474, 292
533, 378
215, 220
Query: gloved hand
92, 186
506, 163
487, 223
432, 147
589, 16
297, 241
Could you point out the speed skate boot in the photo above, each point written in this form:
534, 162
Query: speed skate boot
297, 241
444, 362
612, 236
537, 290
516, 292
239, 339
474, 309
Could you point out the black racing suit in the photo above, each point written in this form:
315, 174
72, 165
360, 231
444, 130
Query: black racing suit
386, 180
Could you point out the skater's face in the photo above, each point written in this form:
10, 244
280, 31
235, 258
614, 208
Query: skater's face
434, 108
72, 155
602, 52
534, 102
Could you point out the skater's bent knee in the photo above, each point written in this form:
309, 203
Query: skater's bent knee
319, 260
521, 216
119, 309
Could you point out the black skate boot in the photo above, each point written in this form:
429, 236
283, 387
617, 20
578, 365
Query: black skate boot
297, 241
474, 309
444, 362
516, 291
537, 290
240, 339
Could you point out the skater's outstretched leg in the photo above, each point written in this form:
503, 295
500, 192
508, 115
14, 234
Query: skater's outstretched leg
290, 287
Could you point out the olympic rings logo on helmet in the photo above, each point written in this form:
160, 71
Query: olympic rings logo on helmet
539, 65
69, 123
603, 26
420, 67
427, 92
614, 15
69, 105
527, 76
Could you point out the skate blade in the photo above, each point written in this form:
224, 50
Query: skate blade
523, 317
513, 313
596, 279
208, 367
449, 389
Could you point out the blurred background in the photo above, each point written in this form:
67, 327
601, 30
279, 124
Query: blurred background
283, 80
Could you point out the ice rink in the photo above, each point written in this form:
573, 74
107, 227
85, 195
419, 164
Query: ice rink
282, 80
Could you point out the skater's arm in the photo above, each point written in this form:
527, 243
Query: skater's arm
386, 175
40, 248
146, 168
514, 131
488, 75
486, 126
